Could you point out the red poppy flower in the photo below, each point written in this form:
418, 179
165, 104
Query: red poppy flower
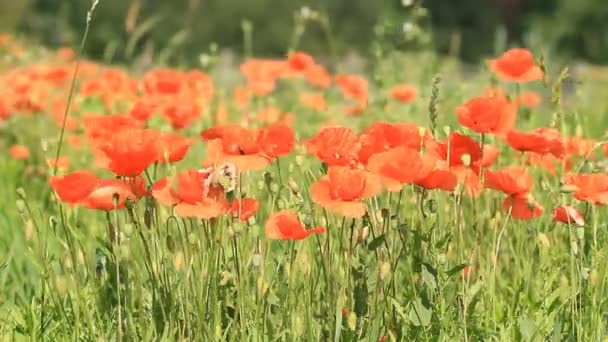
522, 207
181, 116
401, 165
285, 225
511, 180
318, 76
276, 140
591, 187
161, 190
382, 136
569, 215
19, 152
234, 144
246, 208
142, 110
300, 61
490, 155
342, 188
488, 114
173, 147
100, 128
404, 93
580, 147
529, 99
335, 146
74, 187
540, 140
109, 194
439, 179
315, 101
516, 65
462, 150
131, 151
548, 162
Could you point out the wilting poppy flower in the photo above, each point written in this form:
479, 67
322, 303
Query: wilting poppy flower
173, 147
285, 225
131, 151
335, 146
342, 188
109, 194
300, 61
488, 114
591, 187
276, 140
19, 152
522, 206
511, 180
74, 187
540, 140
516, 65
569, 215
382, 136
401, 165
244, 208
529, 99
314, 101
404, 93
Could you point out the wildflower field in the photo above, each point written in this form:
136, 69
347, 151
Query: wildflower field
302, 202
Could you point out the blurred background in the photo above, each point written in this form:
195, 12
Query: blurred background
186, 31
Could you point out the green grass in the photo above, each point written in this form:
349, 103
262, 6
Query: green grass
396, 272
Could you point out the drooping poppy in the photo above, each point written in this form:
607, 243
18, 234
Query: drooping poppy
539, 140
276, 140
285, 225
131, 151
400, 166
335, 145
74, 187
522, 206
19, 152
516, 65
488, 114
511, 180
403, 93
343, 188
244, 208
569, 215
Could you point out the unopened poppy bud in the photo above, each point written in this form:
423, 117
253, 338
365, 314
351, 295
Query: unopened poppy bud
574, 247
431, 206
256, 260
281, 204
568, 189
178, 260
260, 185
267, 178
293, 186
385, 270
351, 321
593, 278
192, 238
28, 229
274, 187
299, 160
580, 233
20, 205
442, 258
170, 243
291, 167
21, 193
44, 145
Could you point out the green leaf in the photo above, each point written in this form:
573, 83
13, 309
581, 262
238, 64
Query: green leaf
421, 313
429, 276
455, 270
527, 328
375, 243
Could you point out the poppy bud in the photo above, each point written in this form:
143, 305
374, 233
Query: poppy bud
431, 205
593, 278
385, 270
256, 260
293, 186
351, 321
580, 233
21, 193
568, 189
574, 247
178, 260
20, 206
442, 259
170, 243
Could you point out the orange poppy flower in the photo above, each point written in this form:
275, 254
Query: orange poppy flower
580, 147
488, 114
234, 144
569, 215
548, 162
342, 188
161, 190
591, 187
173, 147
142, 110
62, 163
462, 150
285, 225
109, 194
181, 116
401, 165
336, 145
244, 208
318, 76
19, 152
300, 61
276, 140
74, 187
540, 140
529, 99
403, 93
522, 207
314, 100
100, 128
131, 151
241, 96
439, 179
382, 136
511, 180
489, 155
195, 194
516, 65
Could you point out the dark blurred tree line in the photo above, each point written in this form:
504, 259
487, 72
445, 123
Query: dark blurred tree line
184, 28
